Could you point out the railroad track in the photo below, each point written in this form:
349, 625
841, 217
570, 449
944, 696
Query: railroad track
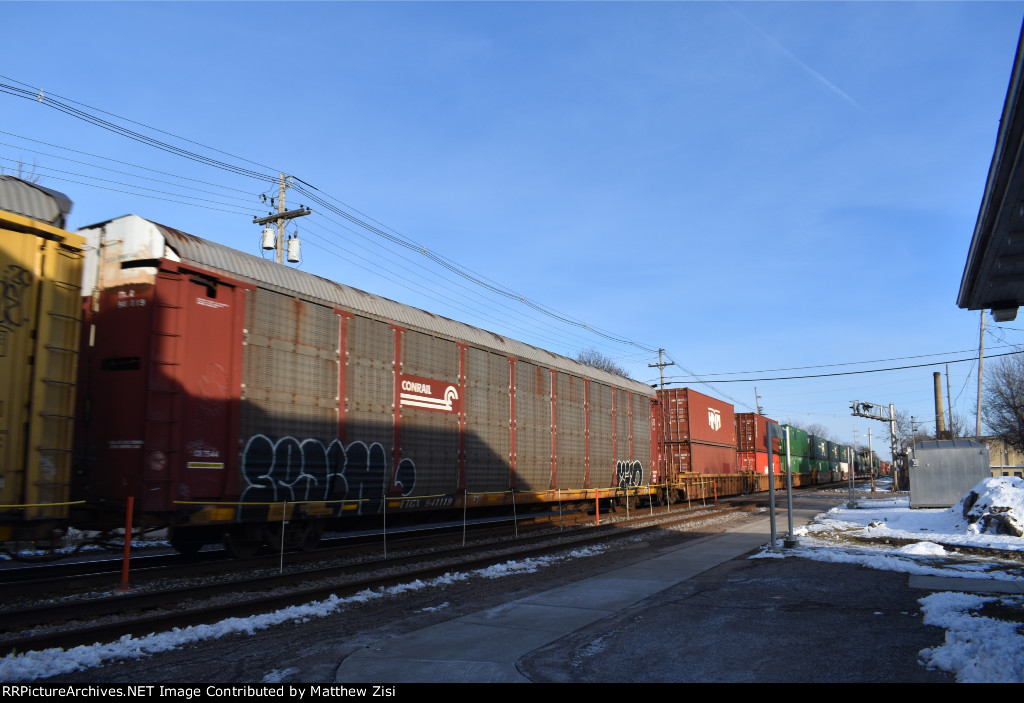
108, 617
62, 578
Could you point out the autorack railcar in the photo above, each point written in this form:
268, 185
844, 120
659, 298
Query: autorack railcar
217, 378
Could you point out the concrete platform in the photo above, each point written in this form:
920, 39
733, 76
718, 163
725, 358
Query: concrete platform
486, 646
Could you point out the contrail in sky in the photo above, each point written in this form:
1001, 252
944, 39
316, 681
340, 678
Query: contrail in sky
820, 78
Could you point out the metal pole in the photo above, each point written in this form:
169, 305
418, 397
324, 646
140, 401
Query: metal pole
284, 512
853, 498
892, 447
791, 541
871, 462
127, 545
771, 483
515, 516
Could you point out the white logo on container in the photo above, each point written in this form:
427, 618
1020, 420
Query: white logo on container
714, 419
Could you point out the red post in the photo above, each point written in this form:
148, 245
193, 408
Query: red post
127, 544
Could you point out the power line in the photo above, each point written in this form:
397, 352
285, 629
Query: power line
848, 363
49, 100
850, 373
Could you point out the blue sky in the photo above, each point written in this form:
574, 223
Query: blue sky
748, 185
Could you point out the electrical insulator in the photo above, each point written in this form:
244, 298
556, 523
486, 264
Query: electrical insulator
293, 251
269, 238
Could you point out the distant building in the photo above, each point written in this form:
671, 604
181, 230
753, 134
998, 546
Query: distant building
1005, 461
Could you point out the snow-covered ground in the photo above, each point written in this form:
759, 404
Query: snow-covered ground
881, 533
30, 666
962, 542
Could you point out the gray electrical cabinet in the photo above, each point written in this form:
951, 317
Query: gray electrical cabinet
943, 471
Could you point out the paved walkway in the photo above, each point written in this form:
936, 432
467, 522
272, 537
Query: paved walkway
484, 646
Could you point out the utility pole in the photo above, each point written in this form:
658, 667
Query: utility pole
661, 370
949, 403
981, 361
281, 218
757, 402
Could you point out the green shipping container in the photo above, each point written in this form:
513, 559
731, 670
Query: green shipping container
798, 445
799, 464
818, 447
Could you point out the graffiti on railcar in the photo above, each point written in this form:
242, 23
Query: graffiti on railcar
14, 283
629, 473
295, 470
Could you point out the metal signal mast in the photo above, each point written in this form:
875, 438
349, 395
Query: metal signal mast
874, 411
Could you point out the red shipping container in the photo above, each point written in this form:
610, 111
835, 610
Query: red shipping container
757, 462
689, 416
751, 429
693, 457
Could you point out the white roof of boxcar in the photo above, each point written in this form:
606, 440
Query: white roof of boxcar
269, 274
33, 201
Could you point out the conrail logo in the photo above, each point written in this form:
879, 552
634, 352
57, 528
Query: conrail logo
428, 394
714, 419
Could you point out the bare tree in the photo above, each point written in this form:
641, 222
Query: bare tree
960, 426
1003, 407
909, 431
25, 172
592, 357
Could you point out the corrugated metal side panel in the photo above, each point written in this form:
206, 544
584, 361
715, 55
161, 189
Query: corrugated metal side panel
54, 379
944, 471
571, 445
488, 432
369, 410
40, 273
818, 447
621, 425
533, 427
798, 442
751, 429
676, 414
259, 270
290, 369
710, 459
758, 462
20, 260
642, 434
430, 438
602, 460
799, 464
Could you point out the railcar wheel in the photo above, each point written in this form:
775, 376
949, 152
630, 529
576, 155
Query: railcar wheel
312, 536
186, 545
243, 542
